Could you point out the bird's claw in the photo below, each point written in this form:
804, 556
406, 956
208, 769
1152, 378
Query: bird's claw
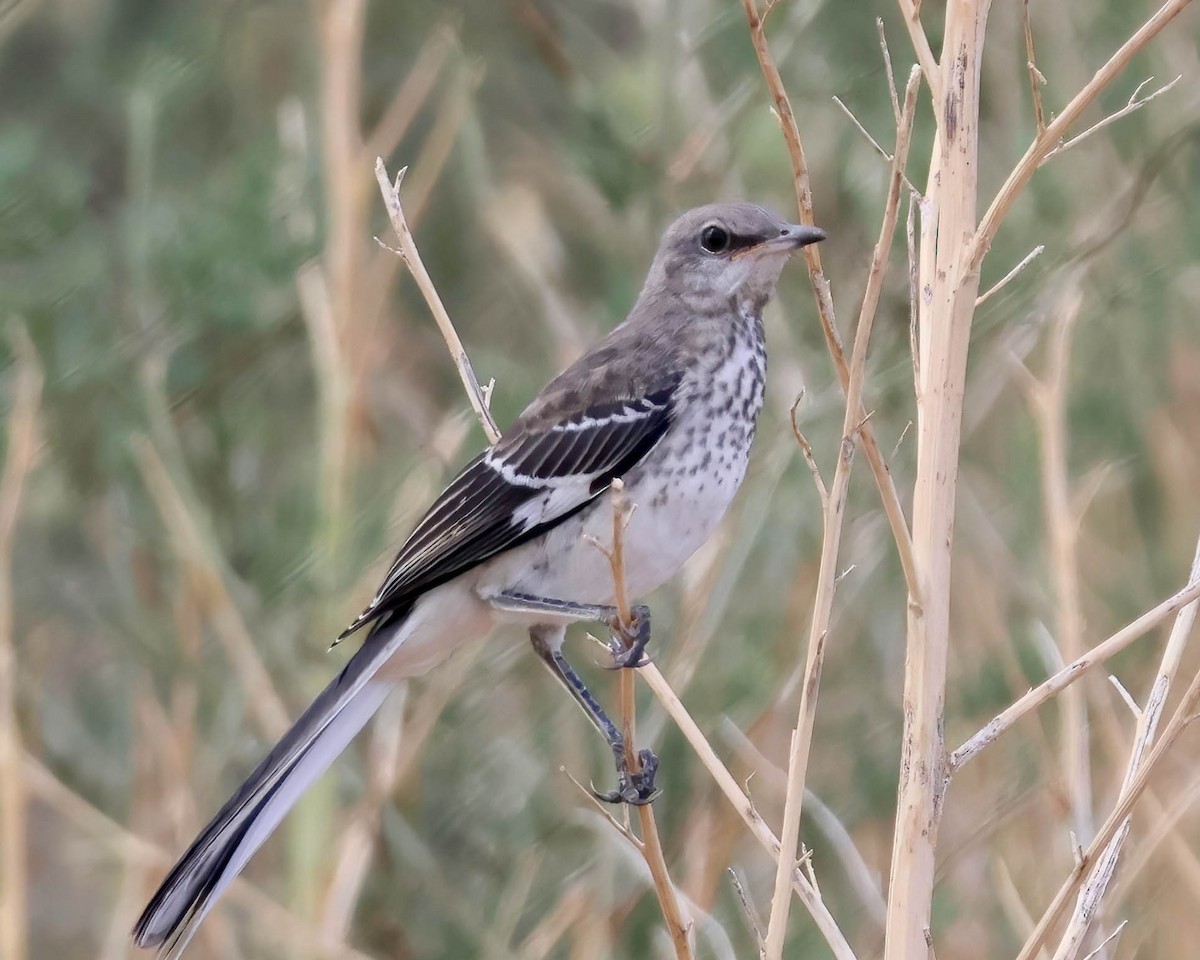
635, 789
629, 645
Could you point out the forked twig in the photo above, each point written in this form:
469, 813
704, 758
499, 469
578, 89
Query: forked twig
408, 250
853, 425
1133, 104
812, 257
1048, 688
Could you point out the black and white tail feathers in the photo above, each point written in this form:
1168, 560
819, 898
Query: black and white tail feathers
216, 857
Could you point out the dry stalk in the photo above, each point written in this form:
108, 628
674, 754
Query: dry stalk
291, 928
21, 455
949, 286
1048, 399
1088, 903
408, 250
812, 258
198, 558
1050, 138
834, 512
911, 9
651, 845
1086, 868
745, 808
1049, 688
1035, 75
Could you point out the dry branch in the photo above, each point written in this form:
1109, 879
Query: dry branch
19, 460
1093, 890
812, 258
408, 250
1050, 138
650, 846
834, 511
949, 289
808, 894
1050, 687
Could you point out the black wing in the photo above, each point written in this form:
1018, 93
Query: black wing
524, 485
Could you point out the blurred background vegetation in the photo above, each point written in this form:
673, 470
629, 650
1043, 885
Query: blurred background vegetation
245, 406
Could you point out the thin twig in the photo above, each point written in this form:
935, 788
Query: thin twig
1008, 277
806, 449
1050, 687
911, 9
1093, 890
744, 807
20, 456
408, 249
812, 258
1133, 104
852, 425
887, 66
1058, 127
1035, 75
1086, 867
651, 844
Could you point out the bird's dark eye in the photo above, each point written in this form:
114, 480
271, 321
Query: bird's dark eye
714, 239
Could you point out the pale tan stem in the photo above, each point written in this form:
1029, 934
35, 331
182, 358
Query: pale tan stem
1049, 688
408, 250
1049, 138
944, 333
1088, 902
20, 456
1184, 714
742, 804
834, 513
1049, 401
812, 258
651, 845
911, 10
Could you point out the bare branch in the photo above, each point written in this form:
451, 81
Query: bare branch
853, 425
1133, 104
1058, 127
20, 456
1003, 281
408, 250
1035, 75
1050, 687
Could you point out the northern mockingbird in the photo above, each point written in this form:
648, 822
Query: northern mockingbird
668, 402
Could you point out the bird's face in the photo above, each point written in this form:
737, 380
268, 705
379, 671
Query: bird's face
725, 251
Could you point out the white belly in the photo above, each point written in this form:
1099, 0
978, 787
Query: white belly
680, 494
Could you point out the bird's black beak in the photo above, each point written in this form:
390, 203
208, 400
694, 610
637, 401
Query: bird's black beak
791, 237
797, 235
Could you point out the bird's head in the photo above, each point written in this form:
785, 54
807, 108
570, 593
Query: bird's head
727, 251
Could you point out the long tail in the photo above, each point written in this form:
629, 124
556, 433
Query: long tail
217, 856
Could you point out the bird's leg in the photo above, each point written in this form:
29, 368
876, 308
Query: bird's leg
626, 645
633, 788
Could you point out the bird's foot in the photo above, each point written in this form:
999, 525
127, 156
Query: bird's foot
636, 789
629, 644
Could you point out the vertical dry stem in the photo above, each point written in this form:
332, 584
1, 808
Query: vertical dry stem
18, 461
834, 512
812, 257
1049, 400
651, 844
1093, 890
949, 286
